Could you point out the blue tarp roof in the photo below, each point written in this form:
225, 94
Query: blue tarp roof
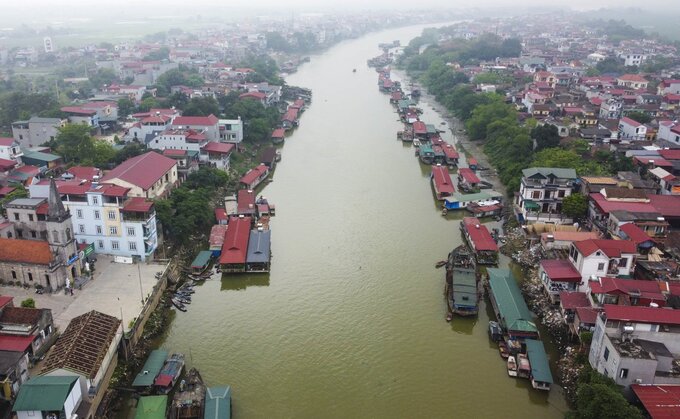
540, 369
259, 247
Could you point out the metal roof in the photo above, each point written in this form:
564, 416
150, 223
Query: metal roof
259, 246
550, 171
151, 407
217, 403
515, 315
540, 369
44, 393
202, 259
660, 401
151, 368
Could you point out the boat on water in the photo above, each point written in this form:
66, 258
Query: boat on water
178, 304
482, 244
462, 283
495, 331
512, 366
188, 401
523, 366
503, 350
172, 369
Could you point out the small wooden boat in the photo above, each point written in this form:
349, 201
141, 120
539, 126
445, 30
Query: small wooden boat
178, 305
188, 402
495, 331
182, 299
523, 366
503, 350
167, 377
440, 264
512, 366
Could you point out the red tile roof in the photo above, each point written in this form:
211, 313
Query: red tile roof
196, 120
252, 95
235, 244
660, 401
253, 174
5, 299
174, 152
642, 314
442, 180
6, 164
14, 343
419, 127
279, 133
560, 270
670, 154
608, 206
4, 141
645, 289
630, 121
479, 235
25, 251
84, 172
219, 148
78, 110
245, 201
217, 233
632, 77
450, 151
667, 205
636, 234
587, 314
573, 300
137, 204
220, 214
21, 315
611, 248
142, 171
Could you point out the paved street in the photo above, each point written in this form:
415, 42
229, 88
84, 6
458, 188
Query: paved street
115, 289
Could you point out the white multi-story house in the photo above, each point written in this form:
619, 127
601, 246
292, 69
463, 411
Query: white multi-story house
632, 81
668, 87
231, 130
632, 58
541, 193
217, 155
595, 258
636, 345
631, 130
208, 125
611, 109
105, 216
10, 150
669, 131
178, 139
148, 127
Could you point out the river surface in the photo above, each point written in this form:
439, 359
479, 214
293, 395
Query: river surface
351, 321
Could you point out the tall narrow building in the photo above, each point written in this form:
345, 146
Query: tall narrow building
60, 234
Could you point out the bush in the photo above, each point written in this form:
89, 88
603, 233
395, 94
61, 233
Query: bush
28, 303
17, 283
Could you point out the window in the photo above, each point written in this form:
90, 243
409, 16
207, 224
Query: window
623, 373
561, 193
16, 216
600, 266
14, 275
96, 214
100, 244
623, 263
536, 194
112, 215
99, 229
30, 217
30, 277
130, 231
95, 200
113, 231
20, 233
55, 236
132, 246
68, 234
79, 213
606, 354
115, 245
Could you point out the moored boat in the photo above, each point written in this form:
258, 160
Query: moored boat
462, 283
512, 366
178, 304
503, 350
171, 371
523, 366
482, 244
188, 401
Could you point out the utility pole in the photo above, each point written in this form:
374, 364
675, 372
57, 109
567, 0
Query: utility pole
139, 275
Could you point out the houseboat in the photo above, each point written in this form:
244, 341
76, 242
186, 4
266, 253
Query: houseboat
485, 209
461, 201
468, 181
541, 378
145, 378
187, 403
235, 246
441, 182
258, 258
425, 153
254, 177
462, 283
171, 371
523, 366
278, 135
482, 244
451, 155
472, 164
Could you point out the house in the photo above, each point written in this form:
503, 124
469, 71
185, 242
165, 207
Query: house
562, 240
45, 397
87, 351
659, 401
217, 155
152, 407
570, 301
235, 246
22, 326
541, 192
245, 203
36, 131
593, 258
258, 258
632, 232
557, 276
47, 162
150, 125
178, 139
668, 87
611, 109
231, 130
633, 81
149, 175
629, 292
10, 150
635, 345
13, 371
207, 125
269, 157
187, 161
511, 310
78, 115
467, 179
631, 130
441, 182
254, 177
653, 225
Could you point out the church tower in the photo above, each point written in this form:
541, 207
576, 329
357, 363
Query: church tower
60, 234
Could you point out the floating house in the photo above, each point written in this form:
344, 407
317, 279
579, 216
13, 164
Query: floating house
480, 241
278, 135
201, 262
541, 378
451, 156
217, 403
151, 368
216, 241
441, 181
426, 153
235, 247
461, 201
511, 310
245, 203
254, 177
152, 407
467, 179
258, 258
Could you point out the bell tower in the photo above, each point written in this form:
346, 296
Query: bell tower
60, 234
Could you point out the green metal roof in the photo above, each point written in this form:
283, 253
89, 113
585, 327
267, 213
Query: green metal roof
202, 259
540, 369
529, 204
547, 171
217, 403
479, 196
515, 314
151, 407
44, 393
40, 156
151, 368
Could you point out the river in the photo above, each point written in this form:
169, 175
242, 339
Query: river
351, 321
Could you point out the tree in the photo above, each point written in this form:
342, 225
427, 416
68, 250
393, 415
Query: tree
162, 53
103, 154
148, 103
125, 107
75, 143
575, 206
546, 136
102, 76
18, 192
201, 106
28, 303
483, 115
258, 129
601, 401
641, 117
277, 42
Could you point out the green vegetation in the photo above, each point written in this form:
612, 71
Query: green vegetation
599, 397
301, 42
188, 212
19, 192
28, 303
575, 206
641, 117
546, 136
17, 105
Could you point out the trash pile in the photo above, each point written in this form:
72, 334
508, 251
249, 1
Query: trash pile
515, 247
569, 370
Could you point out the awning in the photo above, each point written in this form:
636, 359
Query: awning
531, 205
